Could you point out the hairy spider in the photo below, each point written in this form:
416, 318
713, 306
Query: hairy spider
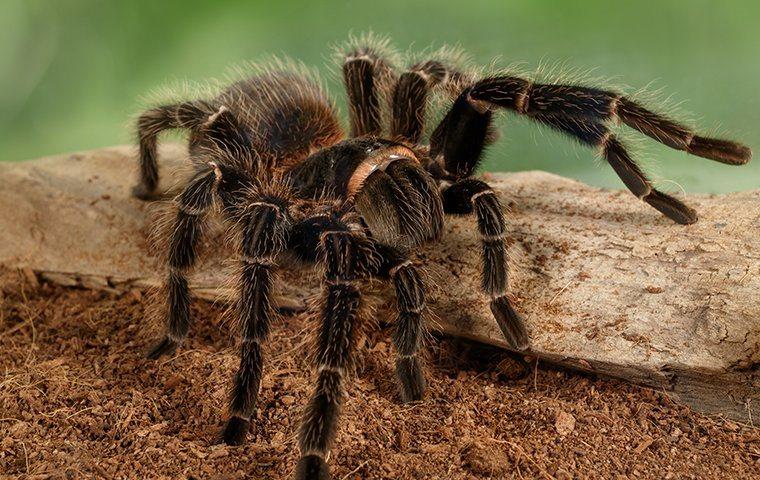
270, 153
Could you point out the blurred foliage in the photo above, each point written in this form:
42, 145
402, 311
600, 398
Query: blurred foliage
73, 71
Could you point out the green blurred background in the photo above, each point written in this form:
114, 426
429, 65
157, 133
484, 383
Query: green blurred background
73, 71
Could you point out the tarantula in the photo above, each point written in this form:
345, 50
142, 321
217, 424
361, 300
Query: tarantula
270, 154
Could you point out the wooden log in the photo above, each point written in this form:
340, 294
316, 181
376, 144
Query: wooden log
606, 284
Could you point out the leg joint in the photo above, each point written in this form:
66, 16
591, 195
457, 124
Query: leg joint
522, 99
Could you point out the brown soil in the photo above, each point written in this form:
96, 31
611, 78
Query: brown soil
78, 400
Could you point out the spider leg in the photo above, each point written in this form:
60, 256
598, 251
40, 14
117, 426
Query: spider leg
409, 324
152, 122
363, 71
599, 136
215, 178
457, 143
474, 196
584, 103
347, 256
264, 223
409, 99
193, 205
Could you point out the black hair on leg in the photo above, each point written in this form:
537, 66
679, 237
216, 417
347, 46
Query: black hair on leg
362, 69
474, 196
347, 256
597, 105
599, 136
679, 137
264, 224
152, 122
409, 324
457, 143
409, 99
461, 135
192, 205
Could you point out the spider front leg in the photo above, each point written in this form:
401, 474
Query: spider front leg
264, 224
539, 101
409, 324
580, 112
474, 196
347, 257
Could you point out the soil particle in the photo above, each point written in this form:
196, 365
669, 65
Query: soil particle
565, 423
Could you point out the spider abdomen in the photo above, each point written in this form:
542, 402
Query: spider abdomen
284, 117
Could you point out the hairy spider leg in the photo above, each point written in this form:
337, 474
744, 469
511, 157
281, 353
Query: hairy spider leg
409, 100
457, 143
409, 325
580, 113
456, 147
185, 115
192, 205
598, 135
362, 72
347, 257
214, 179
264, 222
468, 196
584, 103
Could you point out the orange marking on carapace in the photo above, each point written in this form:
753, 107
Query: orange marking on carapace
377, 160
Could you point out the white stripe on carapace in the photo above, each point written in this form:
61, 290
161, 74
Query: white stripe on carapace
377, 160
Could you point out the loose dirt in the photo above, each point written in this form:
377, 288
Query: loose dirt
79, 400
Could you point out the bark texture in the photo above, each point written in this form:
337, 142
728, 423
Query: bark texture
607, 285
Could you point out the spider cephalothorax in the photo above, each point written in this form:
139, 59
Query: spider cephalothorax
270, 155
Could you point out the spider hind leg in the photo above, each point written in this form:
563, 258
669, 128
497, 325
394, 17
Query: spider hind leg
152, 122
